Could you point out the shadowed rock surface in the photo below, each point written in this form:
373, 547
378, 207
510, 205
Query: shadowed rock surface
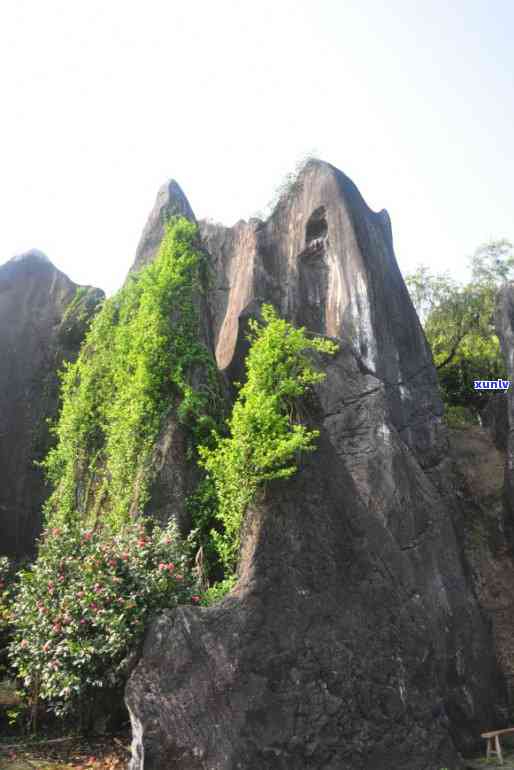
504, 321
40, 327
353, 638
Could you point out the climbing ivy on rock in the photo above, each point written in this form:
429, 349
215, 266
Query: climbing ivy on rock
265, 433
138, 362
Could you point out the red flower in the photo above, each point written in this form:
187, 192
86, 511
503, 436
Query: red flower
162, 566
24, 643
195, 599
87, 535
56, 627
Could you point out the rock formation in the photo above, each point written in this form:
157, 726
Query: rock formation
353, 638
40, 327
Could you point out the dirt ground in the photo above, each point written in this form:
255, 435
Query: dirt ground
108, 753
54, 751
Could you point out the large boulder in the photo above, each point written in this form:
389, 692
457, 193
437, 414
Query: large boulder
42, 323
353, 638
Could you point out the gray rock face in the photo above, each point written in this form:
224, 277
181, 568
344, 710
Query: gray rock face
504, 320
353, 638
326, 261
36, 335
170, 201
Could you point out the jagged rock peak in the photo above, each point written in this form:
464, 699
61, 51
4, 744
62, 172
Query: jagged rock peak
170, 201
326, 261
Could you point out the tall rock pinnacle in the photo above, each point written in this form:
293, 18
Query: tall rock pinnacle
353, 639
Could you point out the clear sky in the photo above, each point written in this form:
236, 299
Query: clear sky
103, 100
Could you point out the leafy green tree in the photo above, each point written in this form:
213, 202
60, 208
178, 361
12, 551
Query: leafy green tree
458, 320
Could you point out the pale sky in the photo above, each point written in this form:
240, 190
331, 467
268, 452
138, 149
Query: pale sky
102, 101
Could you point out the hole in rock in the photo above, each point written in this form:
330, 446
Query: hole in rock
316, 225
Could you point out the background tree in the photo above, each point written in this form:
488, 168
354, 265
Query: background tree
458, 320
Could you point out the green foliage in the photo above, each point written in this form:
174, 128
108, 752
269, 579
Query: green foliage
459, 323
217, 591
78, 315
139, 360
81, 609
6, 593
265, 434
459, 417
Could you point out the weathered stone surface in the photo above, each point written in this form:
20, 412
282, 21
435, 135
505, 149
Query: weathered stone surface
494, 417
170, 201
36, 335
326, 261
353, 638
504, 320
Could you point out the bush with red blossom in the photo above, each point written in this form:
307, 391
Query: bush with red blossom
81, 609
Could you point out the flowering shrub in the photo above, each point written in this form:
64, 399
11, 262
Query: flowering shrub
80, 610
6, 588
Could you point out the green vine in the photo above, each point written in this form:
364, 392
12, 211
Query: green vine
265, 433
139, 361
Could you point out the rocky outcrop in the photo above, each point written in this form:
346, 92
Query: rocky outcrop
353, 638
42, 323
